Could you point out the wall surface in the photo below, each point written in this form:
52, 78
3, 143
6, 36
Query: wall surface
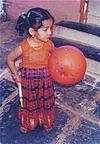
94, 12
1, 7
60, 9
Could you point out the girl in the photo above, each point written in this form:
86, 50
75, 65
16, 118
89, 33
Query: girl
37, 102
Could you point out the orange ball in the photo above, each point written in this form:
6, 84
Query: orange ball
67, 65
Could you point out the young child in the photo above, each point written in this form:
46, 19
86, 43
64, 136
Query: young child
37, 102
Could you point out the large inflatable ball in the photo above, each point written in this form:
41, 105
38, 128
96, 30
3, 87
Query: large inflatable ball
67, 65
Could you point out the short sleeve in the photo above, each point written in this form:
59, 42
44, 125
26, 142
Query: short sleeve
22, 44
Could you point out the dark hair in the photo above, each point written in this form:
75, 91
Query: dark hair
33, 18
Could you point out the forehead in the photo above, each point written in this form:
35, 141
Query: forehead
47, 23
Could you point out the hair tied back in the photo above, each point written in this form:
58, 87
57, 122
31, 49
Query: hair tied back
24, 16
28, 15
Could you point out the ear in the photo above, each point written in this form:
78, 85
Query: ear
31, 32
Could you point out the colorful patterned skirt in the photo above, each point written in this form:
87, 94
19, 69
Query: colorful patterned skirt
38, 98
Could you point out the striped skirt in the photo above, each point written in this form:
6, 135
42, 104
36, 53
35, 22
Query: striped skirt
38, 98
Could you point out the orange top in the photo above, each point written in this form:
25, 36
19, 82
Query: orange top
35, 58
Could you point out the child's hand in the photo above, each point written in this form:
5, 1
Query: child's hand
17, 78
21, 101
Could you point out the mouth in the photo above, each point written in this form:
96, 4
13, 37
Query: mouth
48, 38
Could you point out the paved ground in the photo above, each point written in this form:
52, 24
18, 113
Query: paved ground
77, 107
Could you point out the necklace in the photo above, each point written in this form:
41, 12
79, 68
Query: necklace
38, 47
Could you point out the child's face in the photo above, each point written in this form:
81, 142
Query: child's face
45, 32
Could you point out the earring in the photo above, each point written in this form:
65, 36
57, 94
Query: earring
33, 36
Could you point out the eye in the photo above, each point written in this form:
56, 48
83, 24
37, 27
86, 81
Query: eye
45, 29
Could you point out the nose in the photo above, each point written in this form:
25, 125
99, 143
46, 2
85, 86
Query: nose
49, 31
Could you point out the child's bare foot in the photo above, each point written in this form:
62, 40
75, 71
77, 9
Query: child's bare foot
23, 129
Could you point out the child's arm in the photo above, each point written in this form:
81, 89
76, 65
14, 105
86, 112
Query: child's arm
11, 59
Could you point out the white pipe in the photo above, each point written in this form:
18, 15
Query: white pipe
20, 93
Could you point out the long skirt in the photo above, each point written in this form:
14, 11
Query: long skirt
38, 98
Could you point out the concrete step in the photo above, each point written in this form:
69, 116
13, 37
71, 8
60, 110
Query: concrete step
85, 34
87, 28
